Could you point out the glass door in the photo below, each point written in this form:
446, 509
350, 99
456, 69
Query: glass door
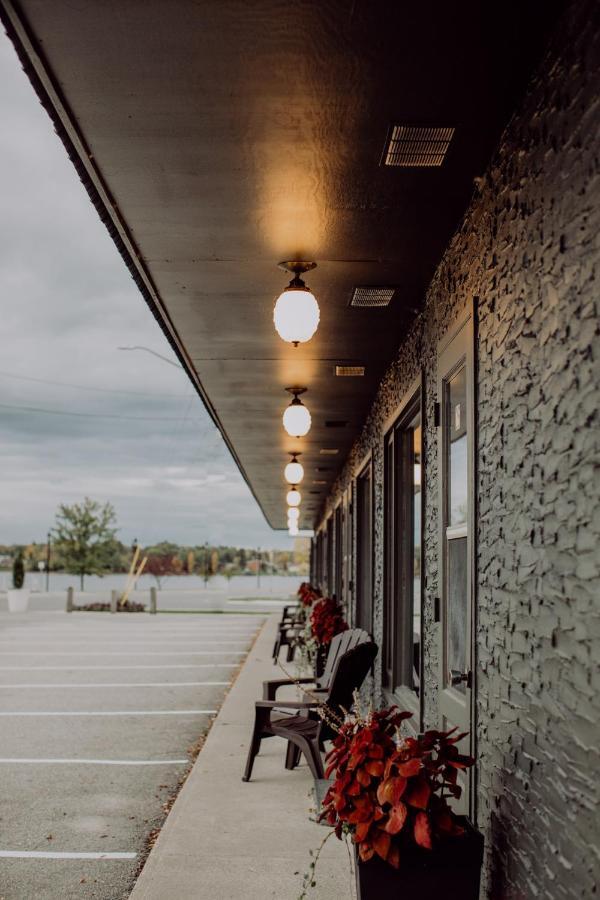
456, 507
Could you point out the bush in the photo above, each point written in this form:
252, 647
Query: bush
18, 572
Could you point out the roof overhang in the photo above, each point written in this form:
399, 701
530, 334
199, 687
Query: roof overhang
217, 139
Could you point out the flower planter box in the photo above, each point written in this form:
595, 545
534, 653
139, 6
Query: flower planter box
451, 870
18, 600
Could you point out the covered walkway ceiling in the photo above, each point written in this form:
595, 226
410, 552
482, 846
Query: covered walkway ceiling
217, 138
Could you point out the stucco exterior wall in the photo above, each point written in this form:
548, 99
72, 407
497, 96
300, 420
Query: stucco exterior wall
527, 254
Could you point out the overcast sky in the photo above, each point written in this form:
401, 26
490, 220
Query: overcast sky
136, 433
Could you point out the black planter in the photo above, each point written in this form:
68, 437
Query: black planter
452, 870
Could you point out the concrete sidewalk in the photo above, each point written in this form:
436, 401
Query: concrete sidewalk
228, 840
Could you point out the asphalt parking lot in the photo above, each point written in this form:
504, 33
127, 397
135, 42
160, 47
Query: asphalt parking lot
98, 717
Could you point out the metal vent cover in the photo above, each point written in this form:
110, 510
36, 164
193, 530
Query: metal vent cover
350, 371
364, 297
329, 451
417, 146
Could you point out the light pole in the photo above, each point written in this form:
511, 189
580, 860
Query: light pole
48, 562
258, 569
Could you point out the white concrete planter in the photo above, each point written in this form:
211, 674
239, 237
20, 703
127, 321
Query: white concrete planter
18, 600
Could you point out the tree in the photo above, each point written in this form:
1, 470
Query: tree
86, 535
159, 566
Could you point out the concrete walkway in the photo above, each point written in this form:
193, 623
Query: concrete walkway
228, 840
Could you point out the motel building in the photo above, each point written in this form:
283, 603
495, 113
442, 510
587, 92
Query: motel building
430, 172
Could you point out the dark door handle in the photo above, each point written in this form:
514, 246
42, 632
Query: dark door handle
458, 677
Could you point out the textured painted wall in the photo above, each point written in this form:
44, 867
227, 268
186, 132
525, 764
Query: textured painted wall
529, 251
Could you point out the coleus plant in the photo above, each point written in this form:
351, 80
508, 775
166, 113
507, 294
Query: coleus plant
391, 792
327, 620
307, 594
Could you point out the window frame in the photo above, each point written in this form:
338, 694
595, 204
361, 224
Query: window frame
362, 620
394, 690
338, 573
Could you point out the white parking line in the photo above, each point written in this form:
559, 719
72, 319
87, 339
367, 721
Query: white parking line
189, 643
154, 684
123, 653
38, 854
118, 712
214, 665
96, 762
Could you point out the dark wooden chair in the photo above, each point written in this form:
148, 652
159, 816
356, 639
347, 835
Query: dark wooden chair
339, 645
305, 731
288, 629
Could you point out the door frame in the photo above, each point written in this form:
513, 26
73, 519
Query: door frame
402, 695
449, 360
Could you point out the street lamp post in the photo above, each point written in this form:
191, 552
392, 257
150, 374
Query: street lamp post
258, 569
48, 563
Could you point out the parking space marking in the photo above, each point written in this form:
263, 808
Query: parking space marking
95, 762
154, 684
39, 854
117, 712
117, 668
123, 653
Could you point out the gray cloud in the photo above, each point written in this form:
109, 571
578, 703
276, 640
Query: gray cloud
137, 435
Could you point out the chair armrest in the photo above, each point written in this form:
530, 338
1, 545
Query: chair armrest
270, 688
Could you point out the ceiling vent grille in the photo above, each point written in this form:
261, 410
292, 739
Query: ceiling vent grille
372, 296
349, 371
416, 146
328, 451
335, 423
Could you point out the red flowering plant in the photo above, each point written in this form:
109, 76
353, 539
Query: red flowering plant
390, 792
307, 594
327, 620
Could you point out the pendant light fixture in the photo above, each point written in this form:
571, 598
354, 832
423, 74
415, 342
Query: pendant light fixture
296, 313
293, 514
294, 471
293, 497
293, 530
296, 418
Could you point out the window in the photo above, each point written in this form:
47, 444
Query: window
364, 537
403, 503
338, 586
330, 559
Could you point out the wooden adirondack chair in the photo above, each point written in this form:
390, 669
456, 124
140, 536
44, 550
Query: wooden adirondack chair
306, 731
339, 645
288, 630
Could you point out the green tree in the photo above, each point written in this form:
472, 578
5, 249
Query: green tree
86, 535
18, 572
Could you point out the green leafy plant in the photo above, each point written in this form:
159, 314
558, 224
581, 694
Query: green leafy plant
18, 571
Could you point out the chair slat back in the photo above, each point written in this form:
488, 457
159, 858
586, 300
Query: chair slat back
339, 645
351, 670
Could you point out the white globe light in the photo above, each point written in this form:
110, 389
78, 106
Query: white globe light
296, 315
293, 514
293, 497
294, 472
296, 419
293, 531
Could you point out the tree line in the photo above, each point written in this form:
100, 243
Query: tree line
83, 541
